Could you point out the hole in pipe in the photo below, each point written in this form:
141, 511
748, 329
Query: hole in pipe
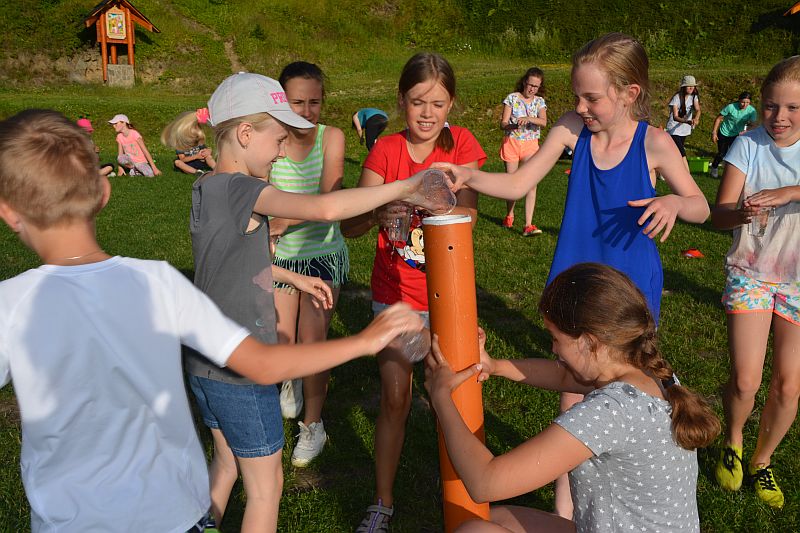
450, 247
436, 295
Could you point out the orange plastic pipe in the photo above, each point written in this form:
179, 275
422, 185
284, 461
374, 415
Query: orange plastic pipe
450, 272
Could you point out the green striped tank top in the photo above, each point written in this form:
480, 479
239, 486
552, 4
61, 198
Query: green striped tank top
308, 240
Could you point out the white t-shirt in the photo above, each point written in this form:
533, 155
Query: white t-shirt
674, 127
775, 257
108, 441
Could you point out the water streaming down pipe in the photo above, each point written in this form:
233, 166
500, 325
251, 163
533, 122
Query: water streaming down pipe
452, 302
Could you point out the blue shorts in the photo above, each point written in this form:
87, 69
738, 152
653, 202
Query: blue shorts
249, 416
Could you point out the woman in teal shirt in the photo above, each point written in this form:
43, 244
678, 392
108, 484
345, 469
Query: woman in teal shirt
731, 121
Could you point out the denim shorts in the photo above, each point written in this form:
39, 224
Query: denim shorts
378, 308
249, 416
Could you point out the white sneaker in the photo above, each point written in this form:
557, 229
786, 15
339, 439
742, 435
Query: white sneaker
292, 398
310, 441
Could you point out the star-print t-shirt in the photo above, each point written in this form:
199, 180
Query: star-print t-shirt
638, 479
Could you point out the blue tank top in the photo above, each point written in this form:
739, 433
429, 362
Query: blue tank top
599, 226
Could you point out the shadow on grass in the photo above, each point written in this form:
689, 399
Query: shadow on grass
677, 282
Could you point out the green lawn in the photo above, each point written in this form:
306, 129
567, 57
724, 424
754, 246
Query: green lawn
148, 218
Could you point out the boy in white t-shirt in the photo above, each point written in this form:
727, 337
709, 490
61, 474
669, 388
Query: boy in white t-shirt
92, 344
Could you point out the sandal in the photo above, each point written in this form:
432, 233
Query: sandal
377, 519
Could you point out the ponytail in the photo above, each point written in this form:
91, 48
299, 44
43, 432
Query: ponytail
445, 140
694, 424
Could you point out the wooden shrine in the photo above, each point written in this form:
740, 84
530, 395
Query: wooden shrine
114, 21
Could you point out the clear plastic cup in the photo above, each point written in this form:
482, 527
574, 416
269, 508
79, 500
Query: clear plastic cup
434, 194
758, 224
414, 346
400, 222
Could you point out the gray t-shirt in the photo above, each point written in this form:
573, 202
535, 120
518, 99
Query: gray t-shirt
639, 479
231, 265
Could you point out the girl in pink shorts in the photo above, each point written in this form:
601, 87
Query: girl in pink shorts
524, 115
759, 199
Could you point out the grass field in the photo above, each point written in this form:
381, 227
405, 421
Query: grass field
148, 218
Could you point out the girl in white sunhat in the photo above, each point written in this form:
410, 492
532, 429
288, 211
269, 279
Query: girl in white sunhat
250, 115
684, 113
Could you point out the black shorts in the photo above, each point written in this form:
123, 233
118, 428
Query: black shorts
679, 140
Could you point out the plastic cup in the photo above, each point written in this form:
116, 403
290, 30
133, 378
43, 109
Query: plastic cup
758, 224
437, 199
435, 187
414, 346
400, 223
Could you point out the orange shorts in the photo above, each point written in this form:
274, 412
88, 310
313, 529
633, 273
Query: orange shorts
516, 150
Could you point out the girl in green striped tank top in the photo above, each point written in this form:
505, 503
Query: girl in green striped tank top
314, 164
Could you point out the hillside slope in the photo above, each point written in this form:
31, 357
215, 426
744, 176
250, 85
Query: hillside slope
202, 40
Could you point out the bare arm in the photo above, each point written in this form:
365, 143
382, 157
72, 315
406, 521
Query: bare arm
715, 128
360, 224
320, 292
273, 363
330, 180
335, 205
727, 214
146, 152
505, 120
697, 112
564, 134
357, 124
529, 466
687, 201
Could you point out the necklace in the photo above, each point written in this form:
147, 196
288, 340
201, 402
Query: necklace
412, 152
76, 257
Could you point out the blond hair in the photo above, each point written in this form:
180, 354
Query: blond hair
224, 131
599, 301
48, 169
625, 62
184, 132
787, 70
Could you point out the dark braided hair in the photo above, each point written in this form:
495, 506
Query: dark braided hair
604, 304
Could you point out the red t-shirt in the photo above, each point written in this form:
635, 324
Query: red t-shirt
398, 274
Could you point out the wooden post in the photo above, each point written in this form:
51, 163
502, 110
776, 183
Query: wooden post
450, 273
129, 35
113, 53
101, 31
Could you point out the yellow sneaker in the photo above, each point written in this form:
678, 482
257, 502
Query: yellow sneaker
729, 471
766, 487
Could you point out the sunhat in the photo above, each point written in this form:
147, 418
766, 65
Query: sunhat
86, 124
688, 81
245, 94
119, 118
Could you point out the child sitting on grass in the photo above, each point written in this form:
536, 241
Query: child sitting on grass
93, 345
185, 135
132, 155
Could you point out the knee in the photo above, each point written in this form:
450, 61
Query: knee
786, 390
745, 386
395, 403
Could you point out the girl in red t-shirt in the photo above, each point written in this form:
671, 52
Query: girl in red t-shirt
426, 92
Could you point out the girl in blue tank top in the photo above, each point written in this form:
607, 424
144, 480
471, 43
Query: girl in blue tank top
611, 214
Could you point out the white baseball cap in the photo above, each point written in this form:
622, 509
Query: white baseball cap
245, 94
119, 118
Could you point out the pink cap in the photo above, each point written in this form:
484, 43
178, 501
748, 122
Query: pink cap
86, 124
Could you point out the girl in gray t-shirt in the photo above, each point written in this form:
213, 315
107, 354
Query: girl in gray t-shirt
629, 446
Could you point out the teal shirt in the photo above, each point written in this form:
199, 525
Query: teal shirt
735, 118
368, 112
